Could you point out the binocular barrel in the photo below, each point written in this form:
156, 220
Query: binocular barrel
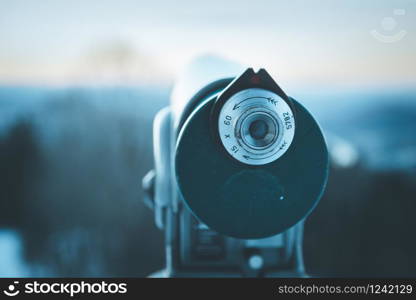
249, 161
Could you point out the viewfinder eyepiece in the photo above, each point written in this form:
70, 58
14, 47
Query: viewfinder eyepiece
256, 126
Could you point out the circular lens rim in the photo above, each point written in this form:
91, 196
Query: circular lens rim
271, 136
240, 105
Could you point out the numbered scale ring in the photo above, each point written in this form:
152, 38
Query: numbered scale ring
256, 126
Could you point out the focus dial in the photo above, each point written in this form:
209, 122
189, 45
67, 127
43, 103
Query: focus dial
256, 126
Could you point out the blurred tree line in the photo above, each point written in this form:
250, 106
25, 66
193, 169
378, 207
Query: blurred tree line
70, 184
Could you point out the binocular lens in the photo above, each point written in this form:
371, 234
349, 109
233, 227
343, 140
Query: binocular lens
259, 130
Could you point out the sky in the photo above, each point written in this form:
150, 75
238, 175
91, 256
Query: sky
323, 42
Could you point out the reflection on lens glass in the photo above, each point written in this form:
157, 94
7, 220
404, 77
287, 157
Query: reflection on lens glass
258, 129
